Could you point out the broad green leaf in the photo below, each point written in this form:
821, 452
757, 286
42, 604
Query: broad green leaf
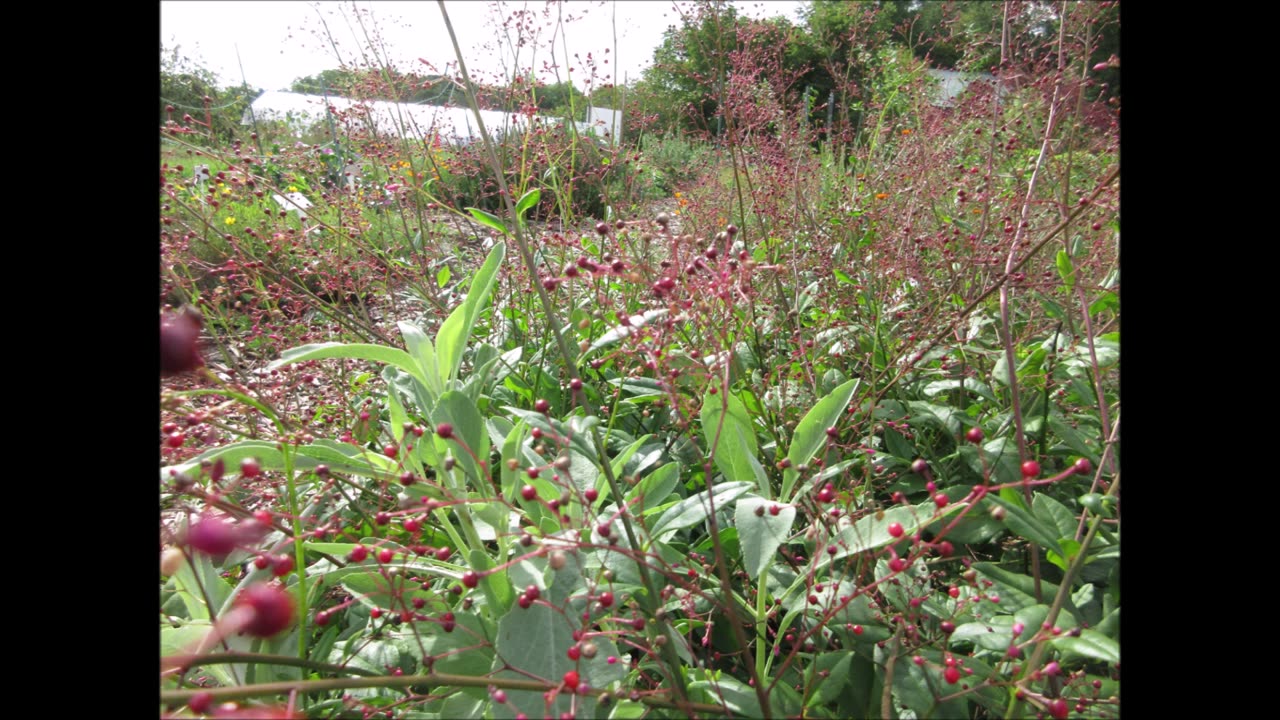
921, 687
693, 510
527, 201
1072, 437
655, 487
535, 640
1091, 644
373, 588
1022, 522
454, 332
730, 436
421, 349
495, 585
947, 419
973, 385
1072, 549
1017, 591
627, 710
198, 579
872, 531
1055, 514
353, 351
489, 219
730, 692
1065, 270
469, 429
443, 275
632, 324
811, 432
760, 534
836, 664
465, 651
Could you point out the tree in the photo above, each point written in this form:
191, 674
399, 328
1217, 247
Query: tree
187, 89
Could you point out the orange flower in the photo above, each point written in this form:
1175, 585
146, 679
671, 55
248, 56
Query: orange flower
906, 131
881, 196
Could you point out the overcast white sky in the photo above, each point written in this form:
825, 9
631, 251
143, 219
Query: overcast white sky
280, 41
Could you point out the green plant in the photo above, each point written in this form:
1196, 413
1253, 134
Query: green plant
846, 444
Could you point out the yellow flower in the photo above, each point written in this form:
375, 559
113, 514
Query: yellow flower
226, 191
293, 188
230, 221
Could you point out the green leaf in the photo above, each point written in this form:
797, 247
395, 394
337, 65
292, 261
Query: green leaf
760, 534
1072, 549
693, 510
197, 579
1091, 644
872, 531
730, 436
1018, 591
469, 428
1055, 514
489, 219
527, 201
1022, 522
353, 351
634, 323
937, 387
837, 666
730, 692
811, 432
442, 277
1065, 269
535, 640
452, 337
655, 487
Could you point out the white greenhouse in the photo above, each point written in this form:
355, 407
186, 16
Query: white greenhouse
450, 124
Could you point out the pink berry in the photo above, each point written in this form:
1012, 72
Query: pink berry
281, 565
470, 578
541, 405
897, 564
528, 492
179, 342
213, 535
919, 466
974, 435
941, 500
390, 451
524, 601
1059, 709
385, 555
250, 468
591, 495
1030, 469
1083, 466
200, 702
895, 529
359, 553
272, 609
444, 430
951, 675
572, 679
606, 599
574, 653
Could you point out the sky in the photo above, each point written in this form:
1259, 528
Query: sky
275, 42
